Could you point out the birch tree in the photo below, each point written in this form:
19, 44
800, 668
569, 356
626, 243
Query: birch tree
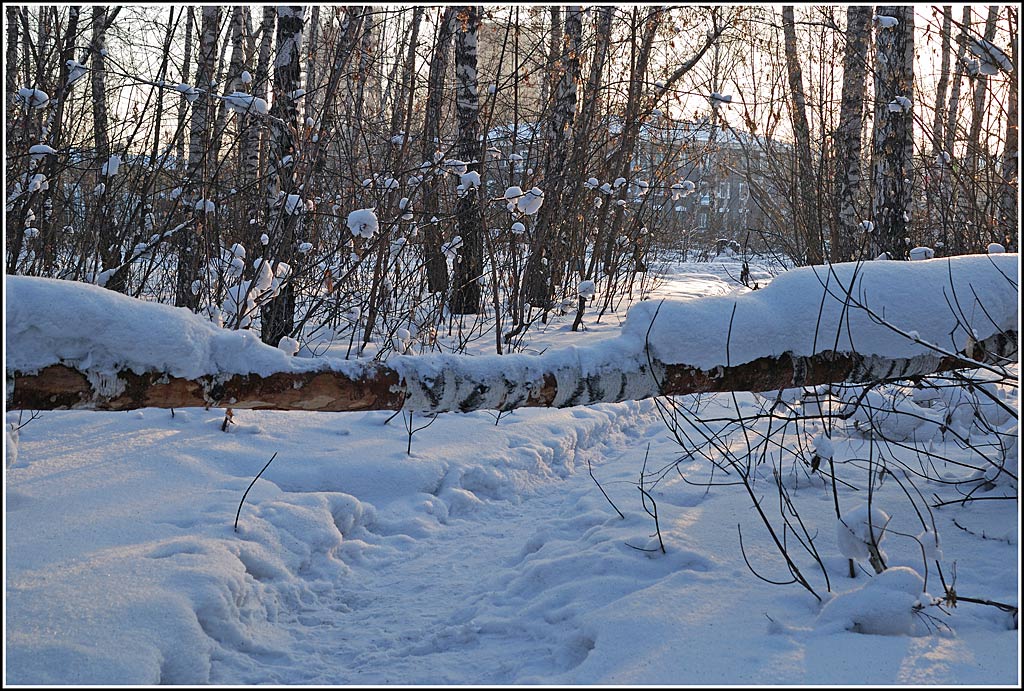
806, 216
893, 134
284, 214
191, 242
108, 253
550, 242
469, 219
1009, 193
848, 135
437, 267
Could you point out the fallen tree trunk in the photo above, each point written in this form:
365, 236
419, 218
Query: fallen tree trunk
383, 388
77, 346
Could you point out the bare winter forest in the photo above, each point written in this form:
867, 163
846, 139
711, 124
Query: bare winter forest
368, 173
385, 245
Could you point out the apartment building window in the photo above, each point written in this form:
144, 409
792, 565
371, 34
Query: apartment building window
744, 191
723, 190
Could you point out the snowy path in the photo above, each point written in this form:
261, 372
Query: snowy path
487, 556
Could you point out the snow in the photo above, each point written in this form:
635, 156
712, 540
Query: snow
289, 346
293, 204
992, 58
76, 71
885, 606
587, 289
469, 180
859, 530
33, 98
241, 102
486, 556
37, 151
207, 206
695, 333
188, 91
518, 228
112, 166
823, 447
886, 22
900, 104
362, 223
38, 182
529, 203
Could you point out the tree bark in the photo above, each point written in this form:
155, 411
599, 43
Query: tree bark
854, 323
807, 219
943, 86
278, 314
437, 267
893, 133
186, 70
106, 230
553, 384
191, 245
239, 19
550, 241
13, 13
469, 219
953, 108
1009, 195
848, 136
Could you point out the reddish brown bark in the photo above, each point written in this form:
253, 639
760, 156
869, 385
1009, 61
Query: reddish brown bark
382, 387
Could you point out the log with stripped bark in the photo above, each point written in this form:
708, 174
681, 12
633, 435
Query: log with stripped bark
72, 345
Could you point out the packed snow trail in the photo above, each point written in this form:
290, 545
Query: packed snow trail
489, 555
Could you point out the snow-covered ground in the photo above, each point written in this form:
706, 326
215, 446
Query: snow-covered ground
487, 555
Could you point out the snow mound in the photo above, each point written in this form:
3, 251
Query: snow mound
783, 316
116, 332
887, 605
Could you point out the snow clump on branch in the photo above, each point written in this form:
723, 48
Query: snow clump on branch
33, 98
363, 223
531, 201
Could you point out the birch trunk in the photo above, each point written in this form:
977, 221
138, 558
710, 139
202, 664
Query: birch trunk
254, 138
191, 244
109, 253
236, 64
979, 213
437, 267
549, 247
806, 217
953, 109
55, 131
1010, 189
469, 218
855, 323
186, 70
943, 85
278, 314
401, 113
848, 137
13, 13
893, 134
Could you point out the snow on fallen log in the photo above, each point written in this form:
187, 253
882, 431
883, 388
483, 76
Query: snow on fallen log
73, 345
